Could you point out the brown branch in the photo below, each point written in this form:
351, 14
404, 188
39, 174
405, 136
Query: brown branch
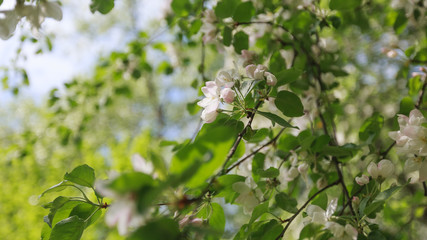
421, 96
289, 220
254, 152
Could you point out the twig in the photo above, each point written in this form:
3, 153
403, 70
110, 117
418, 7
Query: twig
289, 220
256, 151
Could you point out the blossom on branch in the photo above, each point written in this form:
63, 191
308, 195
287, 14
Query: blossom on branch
383, 169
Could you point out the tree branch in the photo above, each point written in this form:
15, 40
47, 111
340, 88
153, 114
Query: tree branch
289, 220
254, 152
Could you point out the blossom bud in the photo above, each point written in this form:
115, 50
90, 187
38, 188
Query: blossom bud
259, 72
250, 69
303, 168
356, 200
373, 170
385, 168
362, 180
270, 79
228, 95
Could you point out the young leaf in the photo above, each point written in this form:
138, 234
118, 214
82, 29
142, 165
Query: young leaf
225, 8
289, 104
68, 229
217, 218
276, 119
244, 12
82, 175
240, 42
286, 202
102, 6
258, 211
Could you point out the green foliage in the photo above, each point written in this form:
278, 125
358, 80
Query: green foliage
240, 41
102, 6
289, 104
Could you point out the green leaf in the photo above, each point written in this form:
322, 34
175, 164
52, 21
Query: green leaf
132, 181
57, 188
244, 12
406, 105
257, 164
227, 36
217, 218
258, 211
421, 55
68, 229
82, 175
289, 104
277, 63
400, 22
268, 173
288, 76
376, 235
102, 6
320, 142
225, 8
159, 229
309, 231
180, 7
344, 5
384, 195
240, 42
286, 202
371, 128
84, 210
373, 207
54, 207
276, 119
267, 231
45, 234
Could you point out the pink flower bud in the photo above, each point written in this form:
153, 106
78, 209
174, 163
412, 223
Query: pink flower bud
228, 95
356, 200
270, 79
362, 180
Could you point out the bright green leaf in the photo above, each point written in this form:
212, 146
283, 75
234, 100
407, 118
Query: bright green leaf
102, 6
276, 119
68, 229
289, 104
244, 12
82, 175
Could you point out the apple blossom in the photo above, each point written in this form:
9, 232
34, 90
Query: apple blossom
328, 44
383, 169
417, 165
362, 180
411, 137
225, 79
316, 214
211, 102
248, 197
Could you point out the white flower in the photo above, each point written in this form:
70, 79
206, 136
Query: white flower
249, 197
328, 78
362, 180
37, 14
316, 214
384, 169
270, 79
225, 78
211, 102
417, 165
341, 232
411, 138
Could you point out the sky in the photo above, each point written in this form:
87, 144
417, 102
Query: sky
74, 53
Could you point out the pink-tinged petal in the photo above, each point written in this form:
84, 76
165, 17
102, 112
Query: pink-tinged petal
250, 69
228, 95
373, 170
270, 79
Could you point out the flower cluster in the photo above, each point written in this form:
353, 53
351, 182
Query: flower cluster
317, 215
214, 92
295, 169
35, 14
259, 72
381, 171
411, 140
